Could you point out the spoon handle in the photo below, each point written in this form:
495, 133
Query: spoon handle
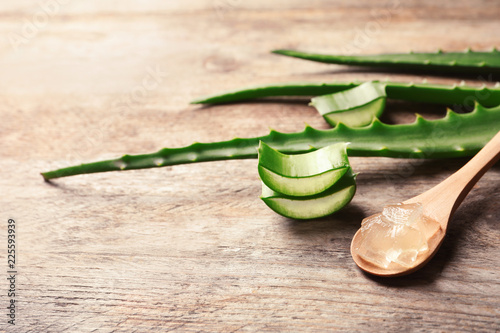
471, 172
445, 198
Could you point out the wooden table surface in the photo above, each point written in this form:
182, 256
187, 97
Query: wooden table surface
192, 247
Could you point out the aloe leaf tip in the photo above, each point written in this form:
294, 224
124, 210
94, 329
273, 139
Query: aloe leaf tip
279, 51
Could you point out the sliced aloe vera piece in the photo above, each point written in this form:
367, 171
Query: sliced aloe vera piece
301, 186
302, 174
359, 117
310, 207
354, 107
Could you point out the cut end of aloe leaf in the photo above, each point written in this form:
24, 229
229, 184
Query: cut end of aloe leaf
355, 107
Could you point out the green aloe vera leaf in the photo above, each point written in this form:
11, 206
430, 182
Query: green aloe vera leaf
310, 207
302, 174
354, 107
452, 62
454, 135
413, 92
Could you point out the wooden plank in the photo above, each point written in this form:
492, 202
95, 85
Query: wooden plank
192, 248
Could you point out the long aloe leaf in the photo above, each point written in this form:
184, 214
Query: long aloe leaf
452, 136
455, 62
413, 92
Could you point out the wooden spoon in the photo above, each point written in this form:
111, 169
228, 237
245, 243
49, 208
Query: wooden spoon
439, 203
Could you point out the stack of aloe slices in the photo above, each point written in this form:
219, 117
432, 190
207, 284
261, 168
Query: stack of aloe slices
306, 186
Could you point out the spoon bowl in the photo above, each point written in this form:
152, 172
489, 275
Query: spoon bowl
439, 203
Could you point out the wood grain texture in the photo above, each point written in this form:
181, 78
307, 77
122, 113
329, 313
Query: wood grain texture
192, 248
